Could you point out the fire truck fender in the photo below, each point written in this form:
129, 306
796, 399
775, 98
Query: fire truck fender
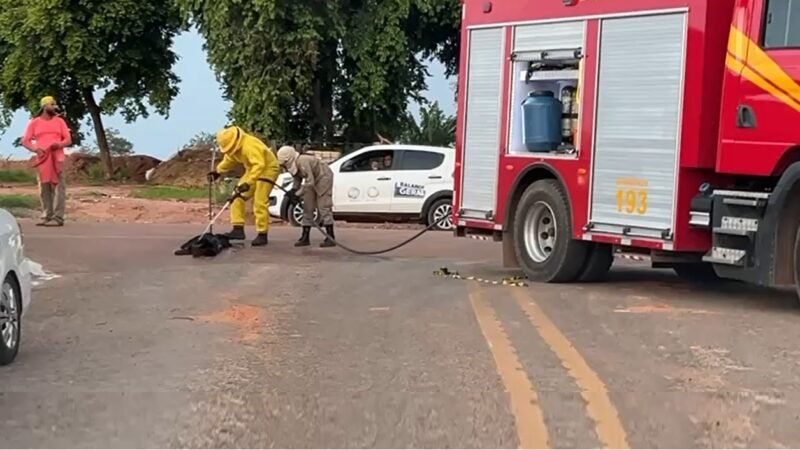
529, 175
780, 223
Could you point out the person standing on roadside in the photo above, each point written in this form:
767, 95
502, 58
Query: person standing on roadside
48, 135
261, 171
313, 182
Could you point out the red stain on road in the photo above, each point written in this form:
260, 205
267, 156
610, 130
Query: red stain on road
251, 320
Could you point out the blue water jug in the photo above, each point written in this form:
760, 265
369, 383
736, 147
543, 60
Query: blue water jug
541, 122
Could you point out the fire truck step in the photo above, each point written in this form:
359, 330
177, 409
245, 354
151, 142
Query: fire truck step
726, 256
734, 232
743, 198
739, 223
736, 219
754, 203
737, 226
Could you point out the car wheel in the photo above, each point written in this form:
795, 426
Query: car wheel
296, 214
543, 235
441, 213
10, 320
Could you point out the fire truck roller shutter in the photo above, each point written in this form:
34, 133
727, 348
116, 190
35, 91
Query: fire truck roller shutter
639, 102
549, 37
482, 135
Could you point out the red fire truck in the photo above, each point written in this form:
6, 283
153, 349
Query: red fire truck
680, 136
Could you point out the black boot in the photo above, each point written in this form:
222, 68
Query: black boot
261, 240
328, 242
304, 240
236, 234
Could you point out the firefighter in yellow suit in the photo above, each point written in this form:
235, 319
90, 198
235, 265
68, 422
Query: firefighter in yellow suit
259, 161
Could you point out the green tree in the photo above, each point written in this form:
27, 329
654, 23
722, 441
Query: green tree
298, 69
117, 145
201, 140
434, 128
97, 56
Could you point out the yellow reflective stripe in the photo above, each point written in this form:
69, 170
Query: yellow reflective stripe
737, 44
755, 65
759, 81
760, 62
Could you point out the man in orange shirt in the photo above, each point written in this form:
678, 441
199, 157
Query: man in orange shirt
47, 135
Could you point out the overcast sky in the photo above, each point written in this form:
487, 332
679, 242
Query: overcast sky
199, 107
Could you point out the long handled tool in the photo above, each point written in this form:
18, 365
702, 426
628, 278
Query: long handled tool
213, 220
207, 243
211, 192
291, 196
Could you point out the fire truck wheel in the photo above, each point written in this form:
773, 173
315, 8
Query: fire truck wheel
543, 235
598, 263
797, 261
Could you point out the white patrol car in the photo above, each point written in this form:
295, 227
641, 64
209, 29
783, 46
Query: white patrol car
384, 183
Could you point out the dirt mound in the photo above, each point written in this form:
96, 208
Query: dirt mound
138, 165
16, 164
83, 167
188, 168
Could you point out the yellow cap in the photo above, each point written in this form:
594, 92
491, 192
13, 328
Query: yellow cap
228, 139
47, 100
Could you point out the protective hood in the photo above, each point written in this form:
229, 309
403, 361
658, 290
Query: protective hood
287, 158
228, 139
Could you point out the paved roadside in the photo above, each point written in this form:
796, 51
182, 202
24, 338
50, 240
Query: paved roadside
311, 348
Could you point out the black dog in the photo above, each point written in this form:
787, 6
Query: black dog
204, 245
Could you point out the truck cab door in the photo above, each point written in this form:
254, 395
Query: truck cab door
761, 93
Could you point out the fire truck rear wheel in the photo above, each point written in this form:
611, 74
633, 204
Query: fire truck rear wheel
797, 261
598, 263
543, 235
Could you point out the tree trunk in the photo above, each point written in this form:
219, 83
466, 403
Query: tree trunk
322, 107
317, 124
327, 112
99, 132
322, 97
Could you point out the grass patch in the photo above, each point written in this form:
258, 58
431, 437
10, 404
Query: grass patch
170, 193
95, 174
17, 176
19, 201
222, 191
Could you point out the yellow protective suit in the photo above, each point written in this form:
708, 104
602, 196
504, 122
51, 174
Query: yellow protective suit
259, 161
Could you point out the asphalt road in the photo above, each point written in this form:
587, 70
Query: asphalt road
279, 347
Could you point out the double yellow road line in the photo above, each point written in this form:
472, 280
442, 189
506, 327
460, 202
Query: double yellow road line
525, 405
